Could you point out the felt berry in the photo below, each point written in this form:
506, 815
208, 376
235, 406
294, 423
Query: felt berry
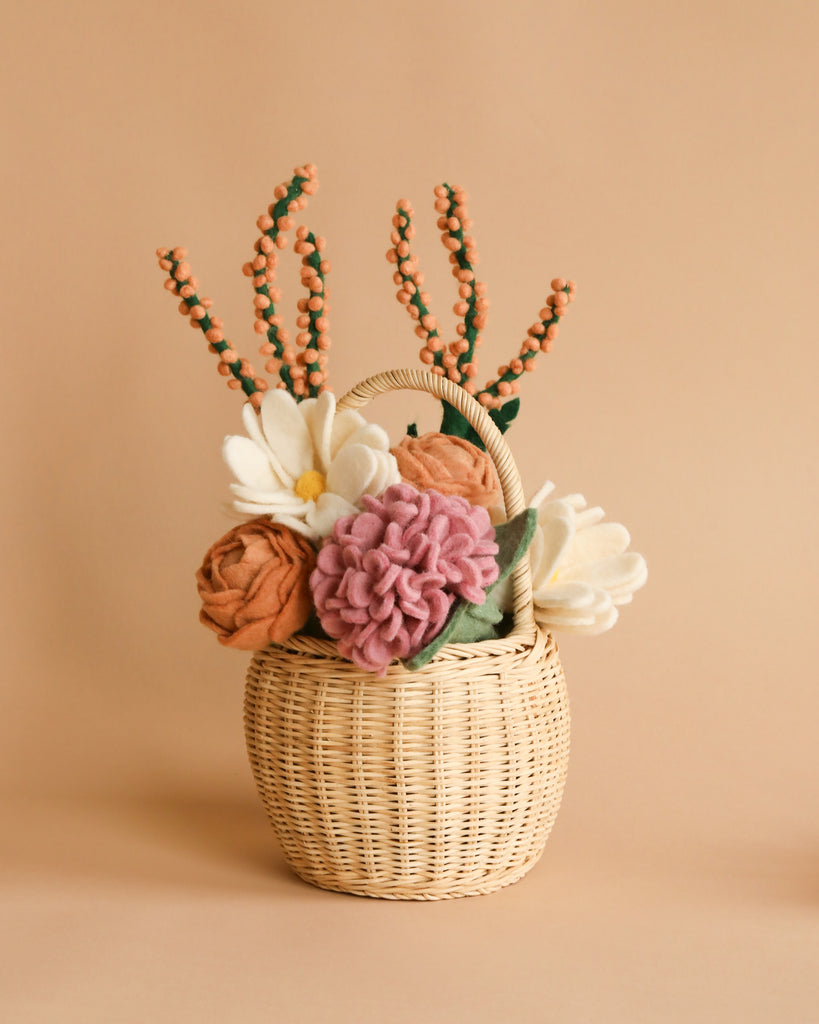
472, 307
540, 338
182, 282
290, 197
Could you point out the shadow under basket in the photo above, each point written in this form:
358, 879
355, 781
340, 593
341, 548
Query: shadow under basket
425, 784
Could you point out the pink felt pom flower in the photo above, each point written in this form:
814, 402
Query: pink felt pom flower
386, 579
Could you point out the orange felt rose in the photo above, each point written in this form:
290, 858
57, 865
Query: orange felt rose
450, 465
255, 584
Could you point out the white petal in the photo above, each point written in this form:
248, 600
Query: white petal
264, 508
589, 516
254, 432
369, 434
600, 609
599, 604
351, 472
558, 508
549, 545
622, 594
248, 463
297, 526
577, 501
598, 541
307, 408
345, 423
327, 510
565, 595
281, 499
286, 432
386, 473
608, 573
600, 625
541, 495
321, 428
552, 620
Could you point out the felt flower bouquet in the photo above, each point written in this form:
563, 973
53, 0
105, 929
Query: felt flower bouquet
391, 551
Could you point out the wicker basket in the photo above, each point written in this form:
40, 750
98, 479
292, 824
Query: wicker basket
422, 785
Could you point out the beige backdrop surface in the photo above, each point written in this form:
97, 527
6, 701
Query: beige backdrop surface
664, 156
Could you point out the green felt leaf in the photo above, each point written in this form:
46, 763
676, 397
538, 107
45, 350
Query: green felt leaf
470, 622
456, 424
473, 438
467, 624
453, 422
504, 416
513, 540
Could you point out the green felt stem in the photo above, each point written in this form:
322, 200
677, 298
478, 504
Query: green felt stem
415, 292
510, 375
280, 209
314, 260
205, 324
471, 334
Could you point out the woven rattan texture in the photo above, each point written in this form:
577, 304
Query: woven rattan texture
424, 785
421, 785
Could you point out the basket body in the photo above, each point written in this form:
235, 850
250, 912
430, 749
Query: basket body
422, 785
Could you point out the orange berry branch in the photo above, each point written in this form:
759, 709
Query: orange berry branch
458, 360
303, 373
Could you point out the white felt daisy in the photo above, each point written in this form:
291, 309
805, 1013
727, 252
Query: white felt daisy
581, 570
305, 465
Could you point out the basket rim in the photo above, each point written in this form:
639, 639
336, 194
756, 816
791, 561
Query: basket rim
518, 641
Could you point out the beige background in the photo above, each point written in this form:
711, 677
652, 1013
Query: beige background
663, 155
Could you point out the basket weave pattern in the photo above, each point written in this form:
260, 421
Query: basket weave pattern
422, 785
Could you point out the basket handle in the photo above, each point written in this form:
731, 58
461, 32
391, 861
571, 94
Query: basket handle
496, 447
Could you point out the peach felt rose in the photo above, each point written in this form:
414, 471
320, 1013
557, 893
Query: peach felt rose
255, 584
451, 465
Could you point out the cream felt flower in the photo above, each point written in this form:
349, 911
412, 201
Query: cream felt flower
304, 464
581, 570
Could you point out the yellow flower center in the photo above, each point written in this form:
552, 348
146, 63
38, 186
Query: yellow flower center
310, 485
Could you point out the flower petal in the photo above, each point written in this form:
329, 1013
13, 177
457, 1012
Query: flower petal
345, 423
587, 618
598, 541
589, 516
369, 434
351, 472
622, 594
248, 463
297, 525
261, 508
600, 625
328, 508
541, 495
386, 475
281, 499
598, 605
286, 433
551, 541
565, 595
608, 573
320, 425
254, 432
577, 501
